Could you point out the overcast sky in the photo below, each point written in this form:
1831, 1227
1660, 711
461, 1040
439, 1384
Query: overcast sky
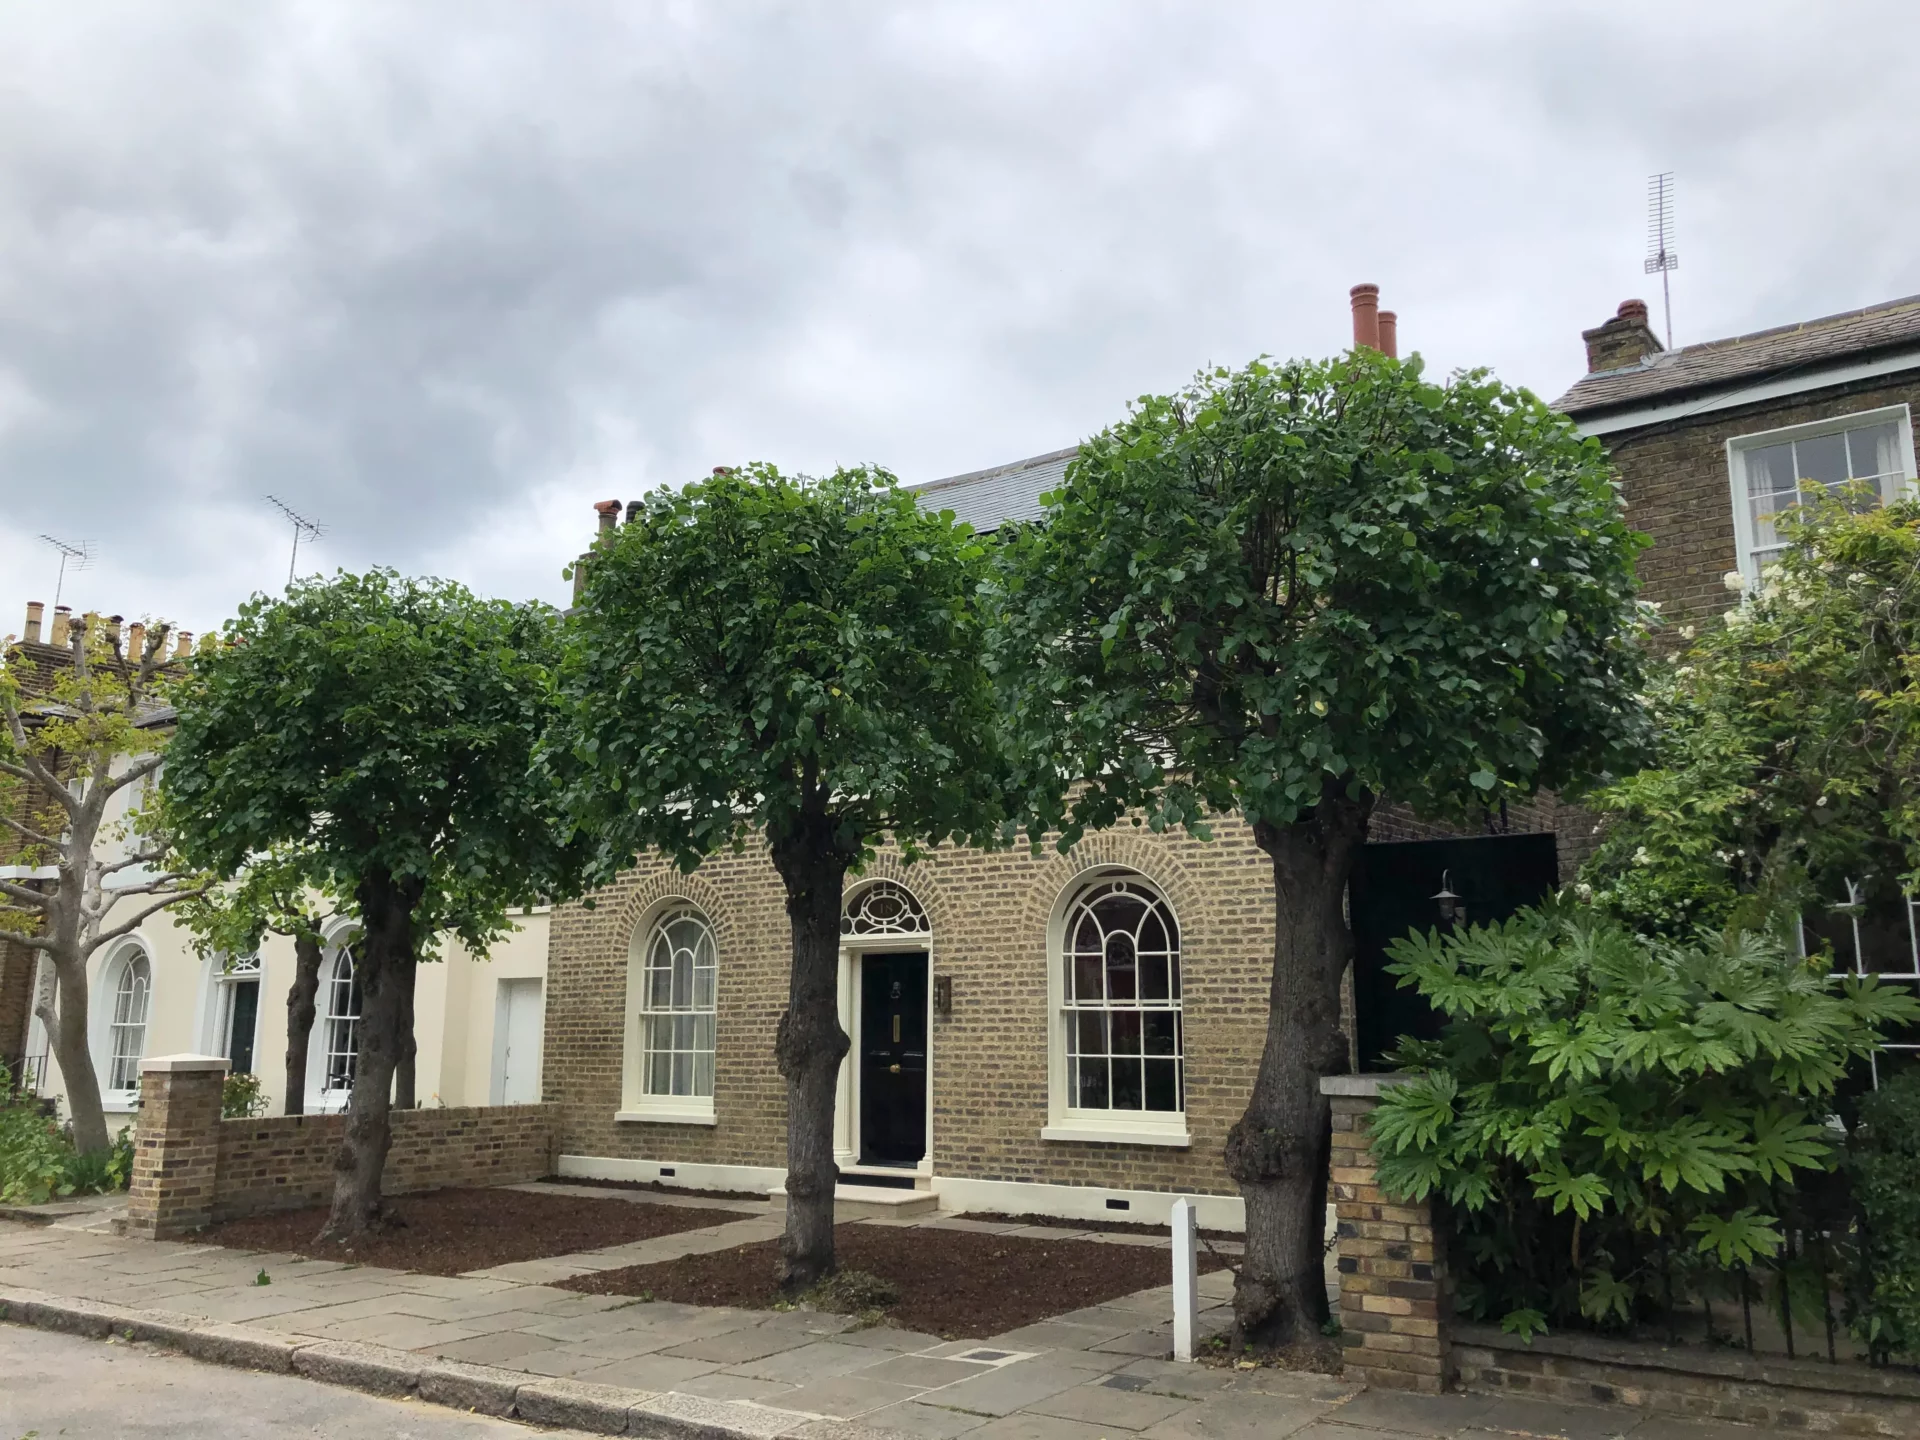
442, 275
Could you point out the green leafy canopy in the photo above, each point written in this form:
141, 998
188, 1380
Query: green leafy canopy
758, 644
375, 723
1322, 569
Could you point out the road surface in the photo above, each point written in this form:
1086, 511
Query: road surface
53, 1385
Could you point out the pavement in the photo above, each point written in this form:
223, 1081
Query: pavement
507, 1341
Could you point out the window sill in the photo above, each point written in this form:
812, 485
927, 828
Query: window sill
111, 1104
686, 1113
1172, 1134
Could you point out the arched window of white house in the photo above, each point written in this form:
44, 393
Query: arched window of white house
132, 981
677, 1007
340, 1025
1119, 988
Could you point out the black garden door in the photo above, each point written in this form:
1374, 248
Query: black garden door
1393, 891
893, 1058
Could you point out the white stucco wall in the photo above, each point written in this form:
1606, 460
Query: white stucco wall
455, 1003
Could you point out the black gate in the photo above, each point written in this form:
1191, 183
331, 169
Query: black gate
1396, 888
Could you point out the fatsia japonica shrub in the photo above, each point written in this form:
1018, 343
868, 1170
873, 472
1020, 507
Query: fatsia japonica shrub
1614, 1119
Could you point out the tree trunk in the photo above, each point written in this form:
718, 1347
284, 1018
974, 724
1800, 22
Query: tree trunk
68, 1039
404, 1089
1277, 1152
301, 1010
810, 1046
385, 955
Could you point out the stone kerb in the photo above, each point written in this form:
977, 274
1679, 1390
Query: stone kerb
176, 1145
1393, 1285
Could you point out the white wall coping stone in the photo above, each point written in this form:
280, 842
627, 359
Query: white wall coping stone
1360, 1087
181, 1064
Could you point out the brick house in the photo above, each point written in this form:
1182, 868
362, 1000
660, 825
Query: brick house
1712, 442
986, 1073
971, 1075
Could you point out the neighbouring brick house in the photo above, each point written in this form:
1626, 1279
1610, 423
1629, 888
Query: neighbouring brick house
1712, 442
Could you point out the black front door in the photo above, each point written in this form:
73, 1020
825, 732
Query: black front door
893, 1058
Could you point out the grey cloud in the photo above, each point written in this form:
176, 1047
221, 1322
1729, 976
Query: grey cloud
442, 274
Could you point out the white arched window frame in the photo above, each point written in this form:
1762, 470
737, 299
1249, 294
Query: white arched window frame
670, 1031
336, 1028
1116, 1061
129, 994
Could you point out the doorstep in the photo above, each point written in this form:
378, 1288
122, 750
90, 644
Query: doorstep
870, 1202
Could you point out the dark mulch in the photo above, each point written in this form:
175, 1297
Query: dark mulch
656, 1187
448, 1232
1103, 1227
958, 1284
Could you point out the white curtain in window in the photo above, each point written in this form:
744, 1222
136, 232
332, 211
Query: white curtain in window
677, 1007
128, 1033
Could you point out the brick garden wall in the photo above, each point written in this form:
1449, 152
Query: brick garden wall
286, 1161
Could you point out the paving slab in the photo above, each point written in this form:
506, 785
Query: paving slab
1416, 1414
649, 1372
1013, 1387
845, 1397
1110, 1407
725, 1385
929, 1372
509, 1349
1547, 1418
924, 1421
1037, 1427
736, 1346
1239, 1416
817, 1360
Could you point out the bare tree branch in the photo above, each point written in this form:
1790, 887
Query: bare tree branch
148, 887
139, 857
106, 937
28, 833
27, 896
132, 774
30, 942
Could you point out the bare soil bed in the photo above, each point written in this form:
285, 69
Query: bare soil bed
1099, 1227
448, 1232
656, 1187
958, 1284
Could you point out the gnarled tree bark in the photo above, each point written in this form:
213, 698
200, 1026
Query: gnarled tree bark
385, 956
811, 1044
405, 1084
302, 1008
1277, 1151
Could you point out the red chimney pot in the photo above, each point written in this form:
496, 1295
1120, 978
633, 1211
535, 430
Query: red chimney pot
1390, 334
1366, 316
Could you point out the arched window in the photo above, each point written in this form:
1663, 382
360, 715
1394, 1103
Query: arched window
884, 908
1120, 990
677, 1006
341, 1026
127, 1034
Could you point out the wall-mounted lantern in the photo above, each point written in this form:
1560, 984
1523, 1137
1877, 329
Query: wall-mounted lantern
1453, 908
943, 996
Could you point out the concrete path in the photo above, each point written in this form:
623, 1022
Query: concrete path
1090, 1373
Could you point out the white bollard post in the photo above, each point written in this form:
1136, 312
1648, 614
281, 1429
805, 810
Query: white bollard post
1186, 1280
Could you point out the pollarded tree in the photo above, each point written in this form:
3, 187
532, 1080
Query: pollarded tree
1292, 591
380, 732
797, 663
77, 751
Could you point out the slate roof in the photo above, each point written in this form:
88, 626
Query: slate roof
987, 499
1810, 345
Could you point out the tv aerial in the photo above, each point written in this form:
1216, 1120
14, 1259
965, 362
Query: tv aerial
301, 526
72, 557
1661, 256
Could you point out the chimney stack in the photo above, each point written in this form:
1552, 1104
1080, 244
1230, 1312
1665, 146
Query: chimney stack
136, 641
183, 647
34, 611
1622, 342
1390, 334
609, 514
62, 618
1366, 316
114, 622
